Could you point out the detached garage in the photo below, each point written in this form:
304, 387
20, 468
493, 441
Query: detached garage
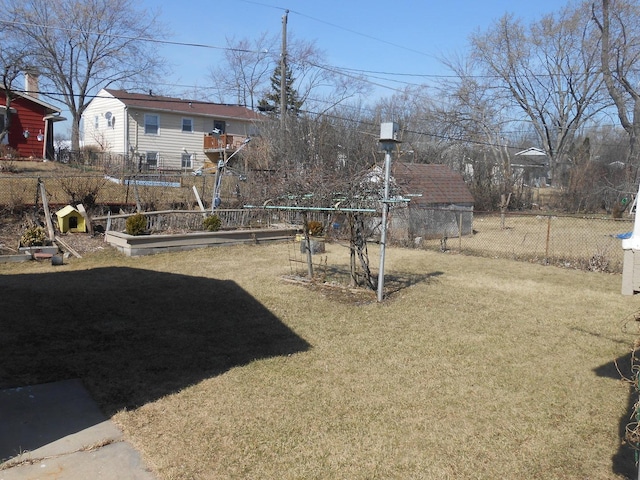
441, 205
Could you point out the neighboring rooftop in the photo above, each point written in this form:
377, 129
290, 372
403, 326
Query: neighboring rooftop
437, 184
154, 102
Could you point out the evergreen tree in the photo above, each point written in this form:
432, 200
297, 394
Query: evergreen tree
271, 101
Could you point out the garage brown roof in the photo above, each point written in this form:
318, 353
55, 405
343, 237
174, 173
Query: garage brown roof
437, 184
179, 105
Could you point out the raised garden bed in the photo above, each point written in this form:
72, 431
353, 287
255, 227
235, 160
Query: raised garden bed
138, 245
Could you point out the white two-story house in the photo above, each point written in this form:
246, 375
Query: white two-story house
164, 133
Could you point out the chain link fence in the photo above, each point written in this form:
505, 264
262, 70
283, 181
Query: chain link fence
582, 242
171, 201
103, 192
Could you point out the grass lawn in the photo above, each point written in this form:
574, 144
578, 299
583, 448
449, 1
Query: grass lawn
216, 368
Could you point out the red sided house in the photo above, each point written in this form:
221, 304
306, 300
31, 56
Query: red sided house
31, 129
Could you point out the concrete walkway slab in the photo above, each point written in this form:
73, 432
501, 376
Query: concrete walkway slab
56, 430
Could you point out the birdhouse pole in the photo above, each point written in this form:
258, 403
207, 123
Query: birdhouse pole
388, 141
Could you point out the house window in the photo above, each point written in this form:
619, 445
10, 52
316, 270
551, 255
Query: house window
187, 125
151, 124
152, 160
186, 160
96, 122
219, 125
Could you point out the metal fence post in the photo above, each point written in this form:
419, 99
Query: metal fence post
546, 247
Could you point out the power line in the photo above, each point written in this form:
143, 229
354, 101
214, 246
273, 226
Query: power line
340, 27
128, 37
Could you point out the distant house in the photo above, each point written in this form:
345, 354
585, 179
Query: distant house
440, 204
531, 167
31, 129
165, 133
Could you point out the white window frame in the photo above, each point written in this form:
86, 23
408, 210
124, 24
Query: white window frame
96, 122
156, 159
147, 124
186, 160
220, 125
190, 122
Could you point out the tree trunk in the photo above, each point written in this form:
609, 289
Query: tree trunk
307, 241
352, 252
75, 132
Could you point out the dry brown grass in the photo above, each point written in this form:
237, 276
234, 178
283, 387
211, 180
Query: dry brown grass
216, 368
577, 242
20, 187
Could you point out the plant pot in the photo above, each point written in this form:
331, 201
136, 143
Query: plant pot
316, 245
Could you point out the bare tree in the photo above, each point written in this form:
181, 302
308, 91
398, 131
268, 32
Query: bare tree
423, 138
245, 70
321, 87
12, 65
473, 118
245, 74
81, 46
620, 58
550, 71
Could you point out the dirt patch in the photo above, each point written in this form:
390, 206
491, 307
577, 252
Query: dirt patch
83, 243
335, 291
12, 228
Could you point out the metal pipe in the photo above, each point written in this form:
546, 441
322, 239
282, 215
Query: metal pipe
385, 211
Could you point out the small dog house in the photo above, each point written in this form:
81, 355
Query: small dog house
70, 220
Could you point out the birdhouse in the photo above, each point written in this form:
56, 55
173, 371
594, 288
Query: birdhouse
70, 220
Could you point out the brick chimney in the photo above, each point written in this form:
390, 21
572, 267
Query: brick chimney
31, 83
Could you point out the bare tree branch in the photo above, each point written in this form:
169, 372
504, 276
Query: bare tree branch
81, 46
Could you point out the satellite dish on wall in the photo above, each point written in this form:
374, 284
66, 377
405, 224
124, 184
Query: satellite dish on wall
108, 115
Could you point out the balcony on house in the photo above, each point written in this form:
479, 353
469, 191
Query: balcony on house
220, 143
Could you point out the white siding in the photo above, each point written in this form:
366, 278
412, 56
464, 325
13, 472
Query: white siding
170, 142
105, 137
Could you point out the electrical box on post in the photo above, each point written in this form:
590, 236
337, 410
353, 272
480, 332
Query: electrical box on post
389, 132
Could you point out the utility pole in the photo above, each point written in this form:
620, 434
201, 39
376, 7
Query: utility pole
283, 71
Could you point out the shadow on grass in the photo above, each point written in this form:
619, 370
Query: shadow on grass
132, 336
623, 462
396, 282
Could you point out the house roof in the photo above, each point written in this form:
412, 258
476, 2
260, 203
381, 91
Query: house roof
183, 106
35, 100
437, 184
532, 152
66, 211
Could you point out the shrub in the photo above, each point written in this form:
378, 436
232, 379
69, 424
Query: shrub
33, 237
136, 224
212, 223
83, 190
315, 228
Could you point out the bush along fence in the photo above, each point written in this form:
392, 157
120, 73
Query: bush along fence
583, 242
